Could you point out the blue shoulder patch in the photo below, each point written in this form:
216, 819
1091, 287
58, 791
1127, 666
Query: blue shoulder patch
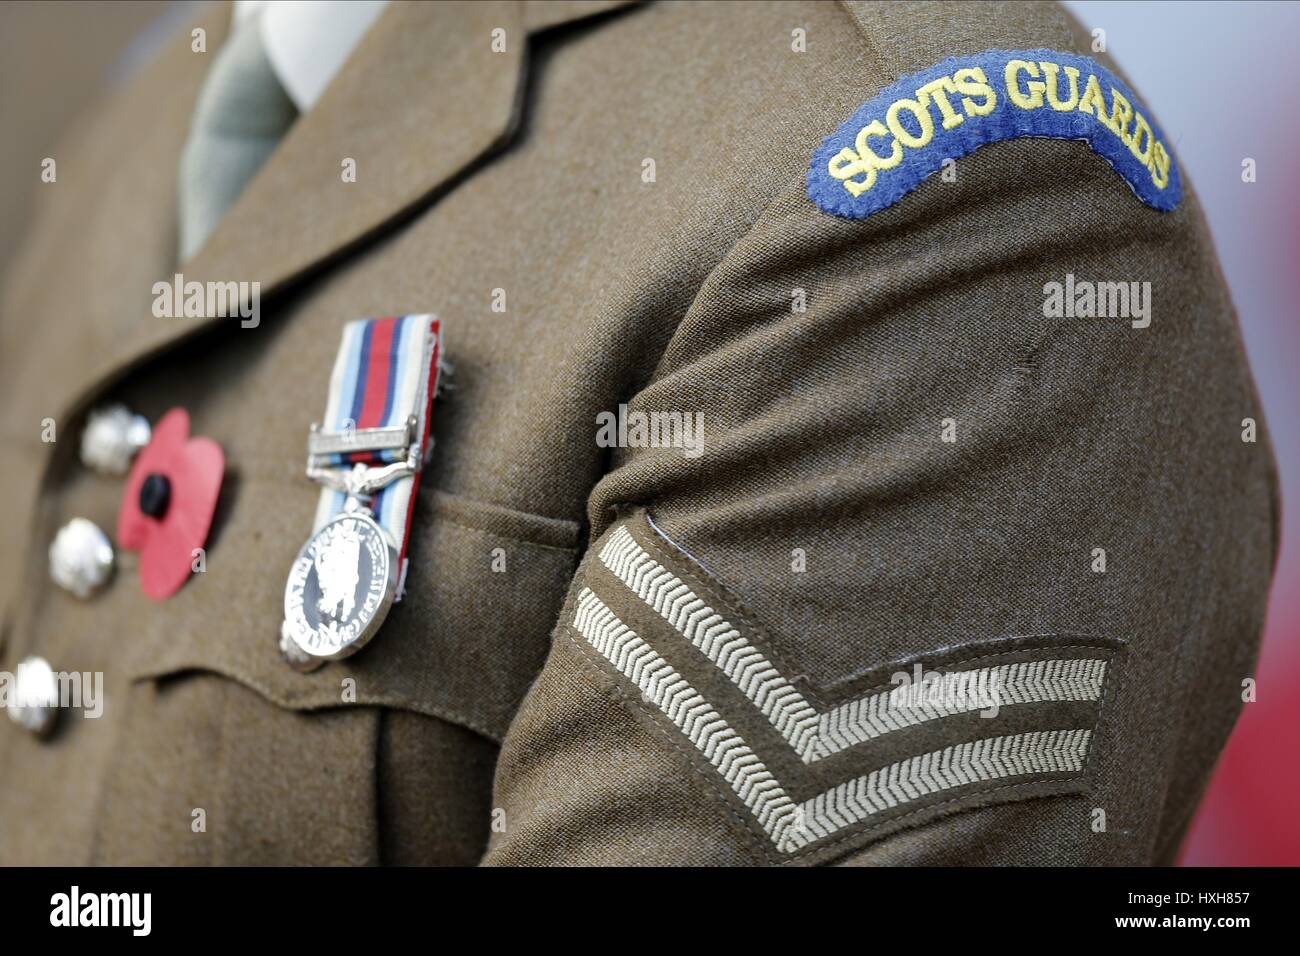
906, 133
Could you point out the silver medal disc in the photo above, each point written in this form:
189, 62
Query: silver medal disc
340, 587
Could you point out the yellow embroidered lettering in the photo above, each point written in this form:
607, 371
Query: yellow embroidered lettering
937, 89
1093, 101
1050, 71
1026, 101
901, 133
971, 82
848, 163
926, 122
874, 128
1141, 129
1159, 166
1123, 112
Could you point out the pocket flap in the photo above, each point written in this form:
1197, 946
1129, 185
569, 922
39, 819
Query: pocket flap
483, 589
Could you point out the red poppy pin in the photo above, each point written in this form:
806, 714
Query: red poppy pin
167, 507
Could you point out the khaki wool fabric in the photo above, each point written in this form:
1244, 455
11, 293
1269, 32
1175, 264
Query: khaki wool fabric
487, 726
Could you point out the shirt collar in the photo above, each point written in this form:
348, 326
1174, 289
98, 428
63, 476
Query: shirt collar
307, 43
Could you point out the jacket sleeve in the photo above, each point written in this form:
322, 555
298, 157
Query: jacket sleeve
945, 574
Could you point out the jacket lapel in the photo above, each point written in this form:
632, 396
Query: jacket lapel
425, 96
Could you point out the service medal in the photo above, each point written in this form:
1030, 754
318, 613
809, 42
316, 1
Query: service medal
367, 455
341, 587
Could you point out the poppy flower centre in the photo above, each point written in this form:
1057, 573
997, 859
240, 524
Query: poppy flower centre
155, 495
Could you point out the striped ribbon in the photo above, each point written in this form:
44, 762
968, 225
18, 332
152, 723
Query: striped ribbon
386, 371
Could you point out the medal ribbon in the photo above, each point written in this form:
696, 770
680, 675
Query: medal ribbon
386, 372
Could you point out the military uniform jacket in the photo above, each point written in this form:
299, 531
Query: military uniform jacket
631, 654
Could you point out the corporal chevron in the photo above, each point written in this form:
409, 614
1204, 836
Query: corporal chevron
792, 825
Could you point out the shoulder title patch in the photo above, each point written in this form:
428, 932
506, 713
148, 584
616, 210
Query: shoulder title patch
905, 133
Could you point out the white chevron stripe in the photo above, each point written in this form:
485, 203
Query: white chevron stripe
814, 736
959, 692
702, 725
784, 707
792, 826
978, 761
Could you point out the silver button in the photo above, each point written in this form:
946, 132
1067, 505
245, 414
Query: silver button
81, 557
35, 704
111, 439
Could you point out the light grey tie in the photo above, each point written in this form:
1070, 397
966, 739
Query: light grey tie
241, 114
